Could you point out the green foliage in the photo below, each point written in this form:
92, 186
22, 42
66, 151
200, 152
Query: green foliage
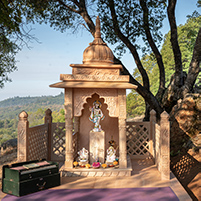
129, 16
10, 21
34, 106
12, 111
186, 36
8, 129
44, 100
58, 116
135, 105
53, 13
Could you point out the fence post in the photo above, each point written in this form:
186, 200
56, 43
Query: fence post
22, 139
165, 146
152, 133
48, 120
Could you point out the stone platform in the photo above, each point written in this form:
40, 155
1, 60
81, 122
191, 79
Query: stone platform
100, 172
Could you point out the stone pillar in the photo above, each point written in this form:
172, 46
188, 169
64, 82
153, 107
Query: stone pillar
165, 146
122, 128
68, 106
22, 139
152, 133
48, 120
97, 146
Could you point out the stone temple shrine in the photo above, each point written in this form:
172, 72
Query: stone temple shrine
95, 86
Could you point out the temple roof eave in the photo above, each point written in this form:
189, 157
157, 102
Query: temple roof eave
99, 85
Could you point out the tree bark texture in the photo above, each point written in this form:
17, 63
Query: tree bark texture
153, 47
175, 44
194, 68
130, 46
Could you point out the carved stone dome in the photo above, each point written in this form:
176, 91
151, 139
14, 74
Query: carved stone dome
98, 51
23, 115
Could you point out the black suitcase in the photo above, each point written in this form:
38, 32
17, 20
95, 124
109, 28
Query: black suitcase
28, 177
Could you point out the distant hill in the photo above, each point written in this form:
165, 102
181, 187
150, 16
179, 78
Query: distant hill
19, 101
10, 108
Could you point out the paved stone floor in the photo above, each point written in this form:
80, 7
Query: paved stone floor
144, 174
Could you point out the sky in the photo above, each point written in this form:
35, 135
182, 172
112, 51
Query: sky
42, 64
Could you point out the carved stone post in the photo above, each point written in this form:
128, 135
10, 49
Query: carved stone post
22, 139
165, 146
48, 120
122, 128
68, 105
152, 133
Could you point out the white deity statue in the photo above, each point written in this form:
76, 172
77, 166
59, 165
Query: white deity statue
96, 115
83, 155
111, 154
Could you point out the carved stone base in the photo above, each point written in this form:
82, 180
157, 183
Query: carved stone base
100, 172
82, 164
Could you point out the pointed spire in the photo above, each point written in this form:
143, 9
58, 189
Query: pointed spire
98, 51
97, 33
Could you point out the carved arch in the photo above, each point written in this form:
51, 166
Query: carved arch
109, 95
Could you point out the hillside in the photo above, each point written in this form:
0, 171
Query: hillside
10, 108
34, 106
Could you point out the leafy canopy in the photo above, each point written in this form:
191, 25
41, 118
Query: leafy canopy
186, 36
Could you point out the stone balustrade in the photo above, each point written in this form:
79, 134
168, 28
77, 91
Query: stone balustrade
144, 140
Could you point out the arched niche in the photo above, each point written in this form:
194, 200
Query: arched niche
110, 97
109, 124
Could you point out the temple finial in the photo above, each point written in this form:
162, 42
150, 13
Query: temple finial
97, 33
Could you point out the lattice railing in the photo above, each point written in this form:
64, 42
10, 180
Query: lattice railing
58, 141
138, 135
37, 142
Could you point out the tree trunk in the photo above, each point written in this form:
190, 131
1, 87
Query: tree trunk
175, 44
194, 66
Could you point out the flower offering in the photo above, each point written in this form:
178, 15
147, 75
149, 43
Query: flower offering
96, 165
104, 165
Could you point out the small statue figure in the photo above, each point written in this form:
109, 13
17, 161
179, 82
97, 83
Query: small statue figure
111, 153
96, 115
83, 155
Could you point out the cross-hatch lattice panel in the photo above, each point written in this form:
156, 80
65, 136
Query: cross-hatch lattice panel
37, 142
137, 138
58, 139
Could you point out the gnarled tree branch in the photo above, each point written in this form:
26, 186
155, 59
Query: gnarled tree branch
175, 44
131, 47
194, 68
153, 46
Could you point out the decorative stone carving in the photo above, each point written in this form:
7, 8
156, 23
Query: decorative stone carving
109, 95
83, 77
98, 51
68, 105
95, 71
23, 126
165, 146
